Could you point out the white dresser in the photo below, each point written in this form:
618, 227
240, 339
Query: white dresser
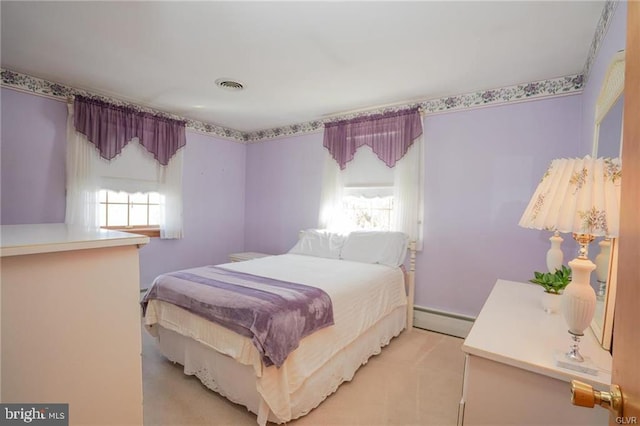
511, 376
70, 321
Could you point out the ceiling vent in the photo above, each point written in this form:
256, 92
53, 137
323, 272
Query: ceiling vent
228, 84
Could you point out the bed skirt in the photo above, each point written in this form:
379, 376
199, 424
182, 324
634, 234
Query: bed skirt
238, 382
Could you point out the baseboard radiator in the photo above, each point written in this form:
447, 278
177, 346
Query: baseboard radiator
442, 321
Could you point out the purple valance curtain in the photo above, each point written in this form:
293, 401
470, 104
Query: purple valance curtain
110, 128
389, 135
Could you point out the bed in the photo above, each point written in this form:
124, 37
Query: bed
372, 302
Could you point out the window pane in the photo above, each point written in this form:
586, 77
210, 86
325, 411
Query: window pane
102, 195
382, 203
117, 197
154, 215
138, 215
117, 214
154, 198
368, 213
380, 219
103, 214
138, 198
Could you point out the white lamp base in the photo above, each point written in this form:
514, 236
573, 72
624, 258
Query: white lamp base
602, 260
578, 303
602, 267
587, 366
555, 255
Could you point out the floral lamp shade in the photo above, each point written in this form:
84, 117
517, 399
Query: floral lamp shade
578, 195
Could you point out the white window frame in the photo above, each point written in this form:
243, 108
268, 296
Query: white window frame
149, 228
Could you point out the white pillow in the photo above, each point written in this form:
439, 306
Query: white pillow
386, 248
319, 243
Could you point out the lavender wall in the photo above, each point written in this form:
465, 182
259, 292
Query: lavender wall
213, 189
481, 168
33, 155
614, 40
284, 178
33, 181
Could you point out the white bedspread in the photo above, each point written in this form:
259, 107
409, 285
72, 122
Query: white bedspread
361, 293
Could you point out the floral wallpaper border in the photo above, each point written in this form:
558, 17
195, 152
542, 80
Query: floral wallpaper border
539, 89
27, 83
517, 93
601, 30
534, 90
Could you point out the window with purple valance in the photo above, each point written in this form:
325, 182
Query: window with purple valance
389, 135
110, 128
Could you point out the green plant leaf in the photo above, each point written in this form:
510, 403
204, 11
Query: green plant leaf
553, 282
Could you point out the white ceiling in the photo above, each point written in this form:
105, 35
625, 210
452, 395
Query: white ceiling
299, 61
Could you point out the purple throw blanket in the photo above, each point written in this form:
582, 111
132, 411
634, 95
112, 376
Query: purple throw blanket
274, 314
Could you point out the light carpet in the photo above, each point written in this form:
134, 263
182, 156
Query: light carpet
416, 380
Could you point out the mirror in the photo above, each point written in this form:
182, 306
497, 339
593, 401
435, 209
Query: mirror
607, 142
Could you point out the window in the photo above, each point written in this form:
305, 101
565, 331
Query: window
368, 208
368, 195
136, 170
139, 213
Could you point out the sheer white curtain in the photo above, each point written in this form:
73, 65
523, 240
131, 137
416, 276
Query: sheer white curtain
134, 170
331, 216
82, 185
366, 169
408, 193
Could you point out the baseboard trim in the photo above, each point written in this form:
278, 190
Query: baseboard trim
442, 321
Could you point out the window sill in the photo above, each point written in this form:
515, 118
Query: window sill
151, 232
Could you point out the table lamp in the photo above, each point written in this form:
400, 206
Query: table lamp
534, 217
579, 196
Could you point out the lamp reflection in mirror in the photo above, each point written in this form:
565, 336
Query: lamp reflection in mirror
555, 255
579, 196
602, 266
